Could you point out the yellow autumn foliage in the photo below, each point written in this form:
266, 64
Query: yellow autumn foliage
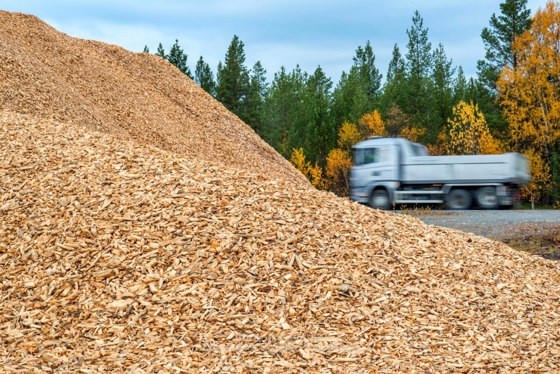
373, 123
298, 160
467, 132
413, 133
348, 135
338, 166
313, 173
540, 177
529, 94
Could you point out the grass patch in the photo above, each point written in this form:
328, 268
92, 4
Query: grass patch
546, 244
424, 210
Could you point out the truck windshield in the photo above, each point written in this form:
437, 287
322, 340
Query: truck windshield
364, 156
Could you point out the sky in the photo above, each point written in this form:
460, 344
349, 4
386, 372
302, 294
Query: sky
278, 33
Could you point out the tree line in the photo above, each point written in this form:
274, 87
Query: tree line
513, 104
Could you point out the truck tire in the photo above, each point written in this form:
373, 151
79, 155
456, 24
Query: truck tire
487, 198
379, 199
459, 199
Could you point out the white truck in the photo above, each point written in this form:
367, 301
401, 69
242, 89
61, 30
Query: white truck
394, 171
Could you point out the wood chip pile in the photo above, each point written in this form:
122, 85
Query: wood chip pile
119, 255
131, 95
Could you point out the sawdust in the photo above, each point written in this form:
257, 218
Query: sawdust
132, 249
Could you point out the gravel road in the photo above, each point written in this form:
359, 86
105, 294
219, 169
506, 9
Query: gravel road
494, 224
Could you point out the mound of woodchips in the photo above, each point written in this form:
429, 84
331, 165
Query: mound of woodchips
116, 256
153, 254
131, 95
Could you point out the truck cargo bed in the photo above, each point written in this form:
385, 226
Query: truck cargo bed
503, 168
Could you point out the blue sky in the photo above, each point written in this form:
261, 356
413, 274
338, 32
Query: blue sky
279, 33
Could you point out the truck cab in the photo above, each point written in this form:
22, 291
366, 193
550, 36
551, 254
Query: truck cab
377, 171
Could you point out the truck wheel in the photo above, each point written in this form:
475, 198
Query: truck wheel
486, 198
380, 199
459, 199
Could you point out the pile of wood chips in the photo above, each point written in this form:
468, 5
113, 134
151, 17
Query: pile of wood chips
122, 250
131, 95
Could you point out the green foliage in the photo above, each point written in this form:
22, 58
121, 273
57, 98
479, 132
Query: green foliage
418, 91
297, 113
176, 57
233, 78
460, 89
320, 132
498, 38
423, 99
251, 110
350, 99
283, 109
394, 89
418, 58
179, 58
204, 77
161, 52
364, 64
442, 87
358, 91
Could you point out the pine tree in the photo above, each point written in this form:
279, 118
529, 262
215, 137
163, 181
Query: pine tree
442, 77
514, 19
498, 39
295, 136
358, 90
253, 101
393, 90
281, 111
320, 133
179, 58
204, 77
460, 88
364, 62
161, 52
350, 99
419, 64
233, 78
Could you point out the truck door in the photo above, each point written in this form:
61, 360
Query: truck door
376, 164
